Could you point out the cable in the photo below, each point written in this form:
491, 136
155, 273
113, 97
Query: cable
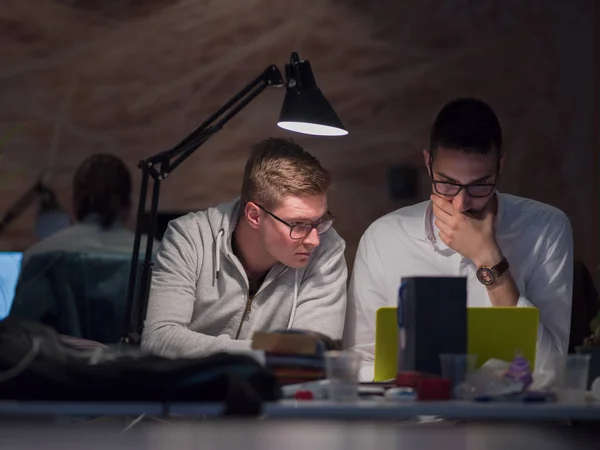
134, 423
23, 364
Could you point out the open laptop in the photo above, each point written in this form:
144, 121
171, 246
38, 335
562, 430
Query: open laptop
492, 332
10, 266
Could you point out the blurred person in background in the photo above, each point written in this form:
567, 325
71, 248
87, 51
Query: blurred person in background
101, 206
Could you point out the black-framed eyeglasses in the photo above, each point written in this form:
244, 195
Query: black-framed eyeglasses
301, 230
452, 189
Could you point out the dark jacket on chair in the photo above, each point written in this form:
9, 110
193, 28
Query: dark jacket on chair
77, 294
585, 305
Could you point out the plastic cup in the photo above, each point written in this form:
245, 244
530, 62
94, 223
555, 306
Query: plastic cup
572, 377
456, 367
342, 368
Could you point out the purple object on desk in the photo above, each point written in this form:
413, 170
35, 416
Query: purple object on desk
520, 370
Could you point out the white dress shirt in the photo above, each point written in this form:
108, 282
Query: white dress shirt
535, 238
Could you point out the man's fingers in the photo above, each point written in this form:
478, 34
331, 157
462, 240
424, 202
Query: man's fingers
441, 225
442, 204
444, 237
441, 214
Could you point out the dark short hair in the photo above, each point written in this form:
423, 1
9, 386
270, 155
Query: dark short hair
102, 186
280, 167
466, 124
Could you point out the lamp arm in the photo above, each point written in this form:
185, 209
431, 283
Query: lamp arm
213, 129
20, 205
270, 76
137, 296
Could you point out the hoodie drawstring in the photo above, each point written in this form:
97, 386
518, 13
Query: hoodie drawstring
218, 240
295, 301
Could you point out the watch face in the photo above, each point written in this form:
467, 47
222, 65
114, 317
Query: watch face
485, 276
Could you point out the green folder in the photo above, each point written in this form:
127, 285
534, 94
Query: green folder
493, 332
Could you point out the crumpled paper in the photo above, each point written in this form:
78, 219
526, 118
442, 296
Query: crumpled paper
490, 381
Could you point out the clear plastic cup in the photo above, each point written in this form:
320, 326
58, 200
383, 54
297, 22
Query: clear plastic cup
572, 377
456, 367
596, 388
342, 368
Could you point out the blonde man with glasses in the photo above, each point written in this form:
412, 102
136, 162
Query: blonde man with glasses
268, 260
512, 250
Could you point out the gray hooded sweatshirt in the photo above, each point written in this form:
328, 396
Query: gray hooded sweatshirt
199, 302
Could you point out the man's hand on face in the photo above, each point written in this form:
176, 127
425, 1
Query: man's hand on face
473, 237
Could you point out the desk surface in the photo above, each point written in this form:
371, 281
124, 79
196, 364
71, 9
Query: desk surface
363, 410
21, 408
369, 410
289, 435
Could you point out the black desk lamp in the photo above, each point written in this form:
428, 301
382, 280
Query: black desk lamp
50, 217
304, 110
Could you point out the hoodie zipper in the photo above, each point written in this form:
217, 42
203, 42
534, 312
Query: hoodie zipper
246, 314
250, 300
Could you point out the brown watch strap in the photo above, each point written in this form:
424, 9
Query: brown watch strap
500, 268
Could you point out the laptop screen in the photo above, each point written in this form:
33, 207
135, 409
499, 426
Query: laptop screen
10, 265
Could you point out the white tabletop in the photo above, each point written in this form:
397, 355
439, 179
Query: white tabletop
313, 409
367, 410
69, 408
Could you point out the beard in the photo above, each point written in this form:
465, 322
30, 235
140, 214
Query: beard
477, 213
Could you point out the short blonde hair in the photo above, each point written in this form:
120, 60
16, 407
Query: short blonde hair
278, 168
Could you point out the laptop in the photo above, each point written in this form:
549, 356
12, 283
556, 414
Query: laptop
10, 267
492, 332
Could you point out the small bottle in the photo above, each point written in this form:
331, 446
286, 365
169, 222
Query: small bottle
520, 370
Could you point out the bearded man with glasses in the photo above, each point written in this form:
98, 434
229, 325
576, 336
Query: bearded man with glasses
268, 260
513, 251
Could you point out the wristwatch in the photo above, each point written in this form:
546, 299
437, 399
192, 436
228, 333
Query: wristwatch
489, 275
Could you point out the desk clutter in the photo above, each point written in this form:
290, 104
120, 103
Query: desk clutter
494, 381
432, 346
295, 356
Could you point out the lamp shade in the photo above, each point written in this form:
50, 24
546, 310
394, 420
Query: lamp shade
305, 109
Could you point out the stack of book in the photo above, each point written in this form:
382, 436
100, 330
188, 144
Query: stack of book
295, 356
